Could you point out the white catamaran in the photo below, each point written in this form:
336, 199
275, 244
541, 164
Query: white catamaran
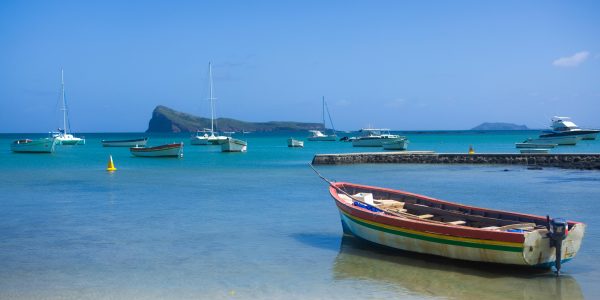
63, 137
317, 135
207, 136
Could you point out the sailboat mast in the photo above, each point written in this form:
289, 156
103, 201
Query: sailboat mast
323, 113
64, 104
212, 104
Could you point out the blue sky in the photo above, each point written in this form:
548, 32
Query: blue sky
418, 65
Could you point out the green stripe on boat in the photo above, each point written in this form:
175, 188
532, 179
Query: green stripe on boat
437, 240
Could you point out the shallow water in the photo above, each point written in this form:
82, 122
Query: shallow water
261, 224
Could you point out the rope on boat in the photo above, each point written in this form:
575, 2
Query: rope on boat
396, 214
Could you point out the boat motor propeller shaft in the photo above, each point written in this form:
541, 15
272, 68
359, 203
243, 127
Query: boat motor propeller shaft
558, 229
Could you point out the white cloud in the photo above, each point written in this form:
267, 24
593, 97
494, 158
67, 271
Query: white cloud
573, 60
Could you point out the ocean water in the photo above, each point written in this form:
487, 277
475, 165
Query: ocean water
261, 225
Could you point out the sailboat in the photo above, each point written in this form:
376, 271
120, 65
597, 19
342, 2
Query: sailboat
317, 135
207, 136
63, 137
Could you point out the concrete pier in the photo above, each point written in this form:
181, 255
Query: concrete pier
587, 161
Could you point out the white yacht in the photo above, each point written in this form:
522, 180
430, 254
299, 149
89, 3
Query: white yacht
371, 137
63, 137
209, 136
563, 126
317, 135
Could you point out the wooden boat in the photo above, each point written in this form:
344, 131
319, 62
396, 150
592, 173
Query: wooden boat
45, 145
398, 144
295, 143
422, 224
125, 143
168, 150
234, 145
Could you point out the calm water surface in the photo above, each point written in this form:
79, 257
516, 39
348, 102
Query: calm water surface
261, 224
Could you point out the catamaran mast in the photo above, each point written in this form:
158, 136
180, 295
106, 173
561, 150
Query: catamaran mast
64, 104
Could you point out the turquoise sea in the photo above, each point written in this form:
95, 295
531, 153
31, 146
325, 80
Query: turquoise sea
261, 225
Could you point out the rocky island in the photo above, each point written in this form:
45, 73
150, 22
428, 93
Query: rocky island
499, 126
165, 119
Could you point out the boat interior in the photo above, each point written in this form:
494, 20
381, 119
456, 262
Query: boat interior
424, 209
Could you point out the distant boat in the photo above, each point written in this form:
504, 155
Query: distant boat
63, 136
317, 135
534, 150
295, 143
563, 127
234, 145
168, 150
125, 143
397, 144
44, 145
559, 140
422, 224
371, 137
208, 136
528, 144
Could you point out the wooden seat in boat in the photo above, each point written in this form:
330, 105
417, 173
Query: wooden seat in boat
425, 216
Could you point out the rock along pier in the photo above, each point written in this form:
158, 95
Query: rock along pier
587, 161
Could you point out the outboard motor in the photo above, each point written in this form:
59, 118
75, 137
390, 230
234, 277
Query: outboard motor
558, 229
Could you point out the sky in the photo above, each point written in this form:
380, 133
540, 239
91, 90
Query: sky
405, 65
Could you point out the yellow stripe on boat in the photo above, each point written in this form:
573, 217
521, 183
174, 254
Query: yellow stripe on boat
439, 238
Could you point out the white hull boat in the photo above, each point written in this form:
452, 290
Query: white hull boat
207, 136
45, 145
399, 144
168, 150
125, 143
375, 138
234, 145
295, 143
559, 140
63, 137
317, 135
534, 151
527, 144
563, 126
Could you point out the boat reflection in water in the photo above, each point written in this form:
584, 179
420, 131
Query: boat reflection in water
433, 276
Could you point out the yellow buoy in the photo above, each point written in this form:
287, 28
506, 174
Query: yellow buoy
111, 165
471, 151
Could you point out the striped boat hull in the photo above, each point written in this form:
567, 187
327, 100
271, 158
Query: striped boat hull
457, 242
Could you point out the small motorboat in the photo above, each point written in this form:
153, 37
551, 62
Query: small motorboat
295, 143
396, 144
234, 145
125, 143
168, 150
528, 144
45, 145
371, 137
534, 150
570, 140
422, 224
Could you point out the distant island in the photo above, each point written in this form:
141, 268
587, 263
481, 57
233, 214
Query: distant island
165, 119
499, 126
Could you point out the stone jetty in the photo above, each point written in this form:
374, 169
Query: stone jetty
587, 161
